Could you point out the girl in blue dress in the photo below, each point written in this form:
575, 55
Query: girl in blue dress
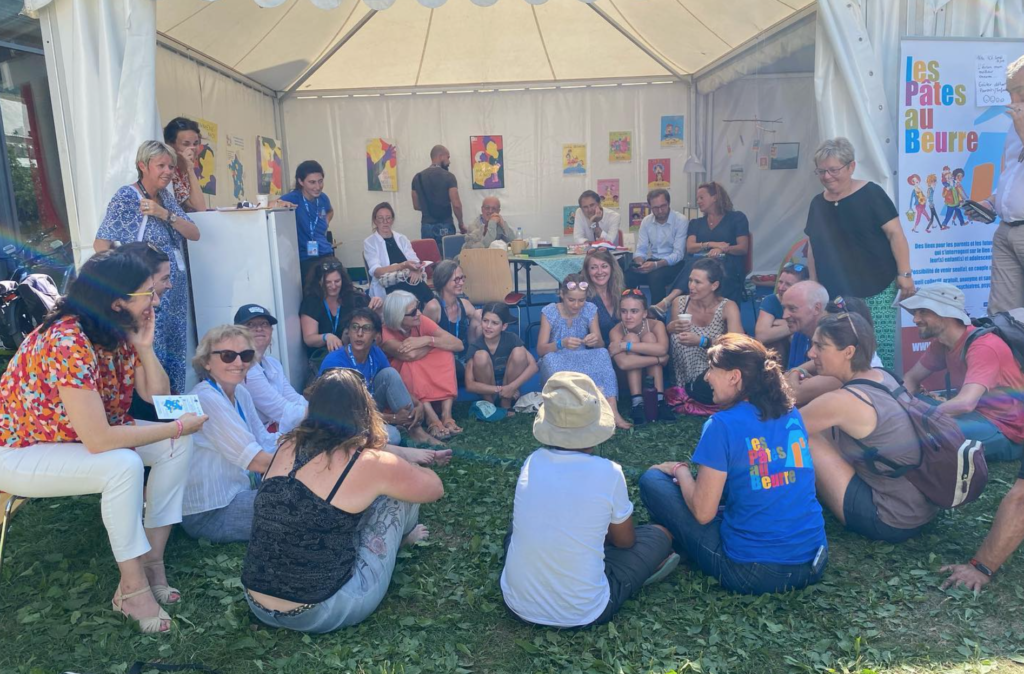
570, 339
147, 211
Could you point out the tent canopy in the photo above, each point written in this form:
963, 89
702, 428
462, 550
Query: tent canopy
462, 44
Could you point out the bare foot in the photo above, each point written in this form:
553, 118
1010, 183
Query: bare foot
418, 533
442, 457
422, 437
622, 423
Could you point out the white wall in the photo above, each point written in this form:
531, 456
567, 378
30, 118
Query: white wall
186, 89
534, 125
775, 202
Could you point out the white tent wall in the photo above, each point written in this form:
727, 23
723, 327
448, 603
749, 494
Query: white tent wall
776, 201
533, 124
190, 89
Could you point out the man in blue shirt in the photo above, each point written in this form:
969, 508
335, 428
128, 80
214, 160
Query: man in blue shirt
660, 248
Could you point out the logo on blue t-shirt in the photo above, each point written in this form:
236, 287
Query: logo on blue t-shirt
774, 468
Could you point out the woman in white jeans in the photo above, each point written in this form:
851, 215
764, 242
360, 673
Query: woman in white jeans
65, 428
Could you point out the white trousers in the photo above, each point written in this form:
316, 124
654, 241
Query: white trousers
69, 469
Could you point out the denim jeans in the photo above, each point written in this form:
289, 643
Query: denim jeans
384, 525
390, 393
701, 544
437, 231
975, 426
230, 524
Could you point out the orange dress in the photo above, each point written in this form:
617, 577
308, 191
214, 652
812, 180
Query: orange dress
431, 378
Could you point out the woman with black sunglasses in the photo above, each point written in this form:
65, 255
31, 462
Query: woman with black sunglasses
235, 448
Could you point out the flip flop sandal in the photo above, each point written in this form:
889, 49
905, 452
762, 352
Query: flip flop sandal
452, 427
438, 430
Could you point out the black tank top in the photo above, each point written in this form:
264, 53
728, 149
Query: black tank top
302, 548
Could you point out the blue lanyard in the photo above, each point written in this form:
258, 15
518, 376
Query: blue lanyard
355, 365
238, 405
314, 218
334, 319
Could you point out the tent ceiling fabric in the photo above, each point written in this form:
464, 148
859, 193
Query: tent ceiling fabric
462, 44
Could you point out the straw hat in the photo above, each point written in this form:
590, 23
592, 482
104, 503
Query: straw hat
575, 415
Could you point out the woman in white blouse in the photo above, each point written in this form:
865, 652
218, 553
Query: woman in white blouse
390, 260
234, 450
272, 394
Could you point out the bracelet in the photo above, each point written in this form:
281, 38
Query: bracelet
703, 342
180, 429
676, 467
804, 374
558, 344
629, 346
325, 338
981, 567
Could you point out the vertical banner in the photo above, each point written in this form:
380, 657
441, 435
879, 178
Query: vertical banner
951, 142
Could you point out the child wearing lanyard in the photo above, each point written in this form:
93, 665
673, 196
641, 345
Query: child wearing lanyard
313, 213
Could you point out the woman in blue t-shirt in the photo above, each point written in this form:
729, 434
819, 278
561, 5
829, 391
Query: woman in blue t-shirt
313, 214
771, 329
769, 536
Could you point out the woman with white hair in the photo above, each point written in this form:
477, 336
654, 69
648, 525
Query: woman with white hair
424, 355
234, 449
147, 211
857, 247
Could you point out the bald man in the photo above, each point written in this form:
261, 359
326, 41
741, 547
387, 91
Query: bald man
435, 194
489, 227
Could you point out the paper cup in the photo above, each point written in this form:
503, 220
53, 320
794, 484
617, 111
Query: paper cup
534, 242
262, 200
556, 241
686, 318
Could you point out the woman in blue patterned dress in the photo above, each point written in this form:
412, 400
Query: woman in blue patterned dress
147, 211
570, 340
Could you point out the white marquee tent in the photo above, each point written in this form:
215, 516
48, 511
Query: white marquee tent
323, 76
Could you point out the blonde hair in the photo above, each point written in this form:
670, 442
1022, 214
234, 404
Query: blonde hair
212, 337
150, 150
1014, 68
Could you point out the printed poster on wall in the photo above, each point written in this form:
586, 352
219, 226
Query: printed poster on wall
638, 210
270, 160
381, 165
951, 144
574, 160
206, 157
659, 173
672, 131
487, 155
608, 188
568, 220
620, 147
235, 152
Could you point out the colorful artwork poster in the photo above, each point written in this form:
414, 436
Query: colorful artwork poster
568, 220
608, 188
638, 210
270, 159
785, 156
620, 147
951, 147
487, 154
235, 152
206, 159
574, 160
381, 165
659, 173
672, 131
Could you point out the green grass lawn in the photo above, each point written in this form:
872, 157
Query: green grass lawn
879, 607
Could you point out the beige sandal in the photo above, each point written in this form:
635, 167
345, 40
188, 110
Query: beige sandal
146, 625
163, 592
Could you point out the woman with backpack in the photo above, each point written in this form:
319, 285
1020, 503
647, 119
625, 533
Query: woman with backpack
850, 426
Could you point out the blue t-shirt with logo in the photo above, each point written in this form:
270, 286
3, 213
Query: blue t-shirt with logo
771, 512
309, 213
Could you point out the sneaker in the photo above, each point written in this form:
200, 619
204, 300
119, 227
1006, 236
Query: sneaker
637, 413
656, 312
665, 412
668, 567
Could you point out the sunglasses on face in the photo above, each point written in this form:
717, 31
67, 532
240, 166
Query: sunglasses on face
228, 356
147, 293
573, 285
413, 314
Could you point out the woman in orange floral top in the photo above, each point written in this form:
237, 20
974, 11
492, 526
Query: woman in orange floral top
65, 428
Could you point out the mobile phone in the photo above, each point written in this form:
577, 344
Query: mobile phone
819, 560
979, 212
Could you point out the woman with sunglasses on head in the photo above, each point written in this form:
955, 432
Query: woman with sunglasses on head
570, 340
846, 426
65, 429
639, 348
313, 215
604, 276
771, 329
330, 296
234, 448
452, 312
423, 354
390, 260
856, 242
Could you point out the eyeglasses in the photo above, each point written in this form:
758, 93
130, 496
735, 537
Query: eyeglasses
633, 291
148, 293
385, 220
458, 279
573, 285
258, 326
413, 314
361, 328
791, 267
841, 305
228, 356
831, 171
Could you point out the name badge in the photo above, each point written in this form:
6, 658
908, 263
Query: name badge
179, 260
312, 249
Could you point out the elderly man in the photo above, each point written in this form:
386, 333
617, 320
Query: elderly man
802, 306
660, 247
982, 368
593, 223
1007, 201
435, 194
489, 227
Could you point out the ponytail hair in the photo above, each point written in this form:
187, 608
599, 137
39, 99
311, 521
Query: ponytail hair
763, 383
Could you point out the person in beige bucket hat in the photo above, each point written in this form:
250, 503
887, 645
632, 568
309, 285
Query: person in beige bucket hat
559, 571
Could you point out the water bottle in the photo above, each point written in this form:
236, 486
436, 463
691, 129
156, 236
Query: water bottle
650, 395
519, 233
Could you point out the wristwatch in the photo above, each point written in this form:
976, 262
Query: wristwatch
906, 274
981, 567
173, 219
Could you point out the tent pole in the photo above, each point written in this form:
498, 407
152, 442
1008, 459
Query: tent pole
639, 45
330, 52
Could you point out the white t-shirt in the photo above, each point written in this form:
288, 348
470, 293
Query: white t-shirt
554, 570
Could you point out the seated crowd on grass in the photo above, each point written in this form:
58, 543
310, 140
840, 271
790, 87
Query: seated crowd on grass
323, 491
